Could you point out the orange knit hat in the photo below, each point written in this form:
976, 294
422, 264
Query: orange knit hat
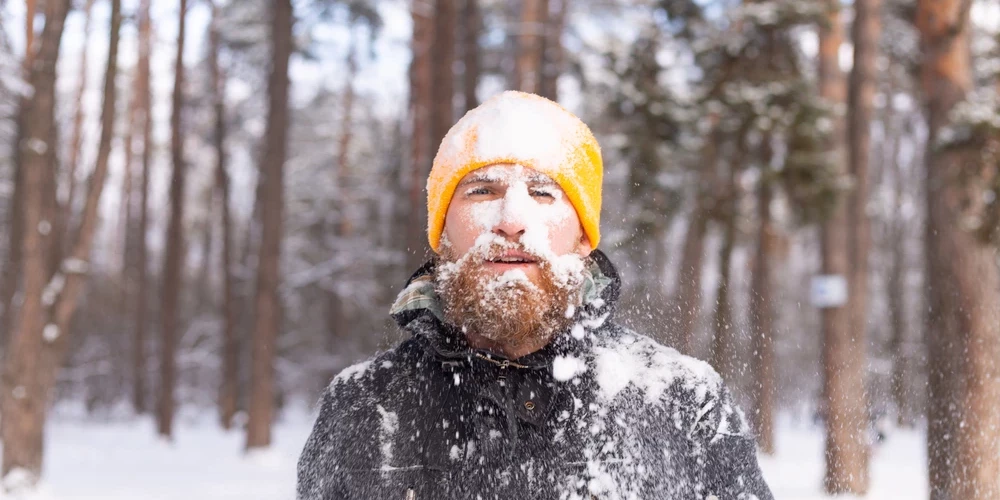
527, 130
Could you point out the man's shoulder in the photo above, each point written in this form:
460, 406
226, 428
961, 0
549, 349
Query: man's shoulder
626, 358
378, 371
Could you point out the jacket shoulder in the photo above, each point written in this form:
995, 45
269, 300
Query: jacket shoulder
625, 358
378, 370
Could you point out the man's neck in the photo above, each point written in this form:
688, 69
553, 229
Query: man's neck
510, 351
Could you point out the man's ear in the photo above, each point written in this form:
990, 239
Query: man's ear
583, 248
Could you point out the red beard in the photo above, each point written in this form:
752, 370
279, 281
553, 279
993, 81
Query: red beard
510, 312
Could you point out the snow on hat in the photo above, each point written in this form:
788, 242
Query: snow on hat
527, 130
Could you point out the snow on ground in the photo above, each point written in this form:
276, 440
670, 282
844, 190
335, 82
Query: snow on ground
124, 460
898, 465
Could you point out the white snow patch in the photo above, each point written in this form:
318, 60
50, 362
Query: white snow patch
565, 368
387, 432
50, 333
353, 372
651, 368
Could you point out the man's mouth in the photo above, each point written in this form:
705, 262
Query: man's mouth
514, 258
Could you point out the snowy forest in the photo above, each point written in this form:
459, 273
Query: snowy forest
208, 206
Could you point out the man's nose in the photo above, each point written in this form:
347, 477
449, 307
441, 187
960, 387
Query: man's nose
509, 228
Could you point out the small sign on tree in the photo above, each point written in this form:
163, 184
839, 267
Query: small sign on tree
828, 290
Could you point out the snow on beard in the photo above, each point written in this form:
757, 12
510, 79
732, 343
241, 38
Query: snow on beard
510, 308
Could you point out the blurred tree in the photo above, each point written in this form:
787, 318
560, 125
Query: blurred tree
229, 376
472, 26
531, 31
43, 330
142, 251
173, 260
963, 281
268, 302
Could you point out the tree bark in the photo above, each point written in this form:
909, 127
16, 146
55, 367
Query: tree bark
472, 27
530, 48
76, 139
24, 404
42, 335
268, 303
689, 279
139, 341
847, 243
963, 281
555, 54
31, 9
421, 104
762, 325
229, 388
724, 356
173, 264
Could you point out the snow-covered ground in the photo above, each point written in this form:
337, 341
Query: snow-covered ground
125, 461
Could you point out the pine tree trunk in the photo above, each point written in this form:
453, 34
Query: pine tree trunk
139, 341
443, 74
472, 26
76, 139
531, 31
24, 404
31, 9
896, 289
724, 357
762, 325
421, 148
689, 281
555, 54
846, 404
229, 388
963, 281
173, 264
268, 305
42, 337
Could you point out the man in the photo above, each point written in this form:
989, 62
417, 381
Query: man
516, 383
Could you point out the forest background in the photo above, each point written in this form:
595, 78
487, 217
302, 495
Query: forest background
208, 205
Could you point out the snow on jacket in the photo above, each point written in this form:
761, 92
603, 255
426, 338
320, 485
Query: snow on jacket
600, 413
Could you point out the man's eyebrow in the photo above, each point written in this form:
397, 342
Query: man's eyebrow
535, 180
478, 178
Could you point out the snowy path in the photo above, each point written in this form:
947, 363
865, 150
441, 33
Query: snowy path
125, 461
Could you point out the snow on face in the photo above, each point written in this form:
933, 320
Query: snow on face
518, 208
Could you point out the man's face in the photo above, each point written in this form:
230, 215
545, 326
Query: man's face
518, 205
513, 256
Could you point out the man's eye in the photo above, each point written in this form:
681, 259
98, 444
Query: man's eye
477, 191
541, 193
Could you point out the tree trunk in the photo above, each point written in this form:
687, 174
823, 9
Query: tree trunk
762, 325
472, 26
443, 74
24, 403
846, 244
76, 139
531, 32
31, 9
555, 54
139, 341
724, 357
689, 280
421, 103
229, 388
173, 264
42, 336
963, 281
268, 303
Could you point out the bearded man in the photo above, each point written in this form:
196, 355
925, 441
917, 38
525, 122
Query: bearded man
516, 382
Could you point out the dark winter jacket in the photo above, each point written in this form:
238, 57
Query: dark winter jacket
601, 413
